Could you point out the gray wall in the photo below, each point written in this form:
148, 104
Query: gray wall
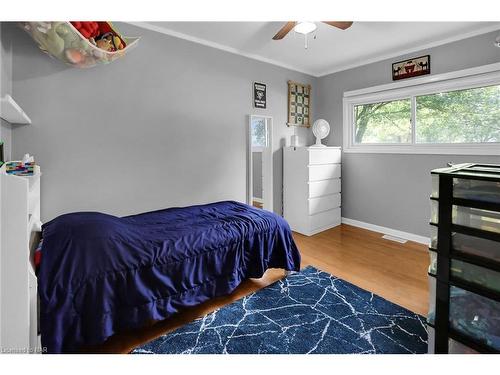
257, 174
392, 190
5, 87
164, 126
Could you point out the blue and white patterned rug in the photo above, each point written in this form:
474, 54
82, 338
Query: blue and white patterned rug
307, 312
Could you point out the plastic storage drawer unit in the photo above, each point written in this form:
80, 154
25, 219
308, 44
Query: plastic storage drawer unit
470, 273
469, 217
454, 347
464, 271
484, 191
472, 315
469, 244
467, 188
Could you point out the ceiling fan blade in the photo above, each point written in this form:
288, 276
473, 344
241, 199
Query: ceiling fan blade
284, 30
339, 24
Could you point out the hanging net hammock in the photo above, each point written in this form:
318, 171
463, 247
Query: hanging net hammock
62, 40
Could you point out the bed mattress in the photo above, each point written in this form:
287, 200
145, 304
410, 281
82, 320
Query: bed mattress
101, 274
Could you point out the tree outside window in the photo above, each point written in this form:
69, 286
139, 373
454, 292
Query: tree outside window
461, 116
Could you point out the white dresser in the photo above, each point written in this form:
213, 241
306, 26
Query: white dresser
311, 188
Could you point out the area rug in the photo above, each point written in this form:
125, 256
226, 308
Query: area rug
307, 312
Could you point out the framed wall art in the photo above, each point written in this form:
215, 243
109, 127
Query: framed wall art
299, 104
411, 67
259, 95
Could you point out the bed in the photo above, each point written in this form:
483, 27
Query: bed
100, 274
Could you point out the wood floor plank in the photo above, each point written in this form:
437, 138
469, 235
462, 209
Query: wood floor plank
397, 272
394, 271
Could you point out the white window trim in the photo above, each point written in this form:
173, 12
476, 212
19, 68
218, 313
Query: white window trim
458, 80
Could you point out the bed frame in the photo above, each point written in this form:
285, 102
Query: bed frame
19, 235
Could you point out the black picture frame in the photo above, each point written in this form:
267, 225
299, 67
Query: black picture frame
259, 95
409, 68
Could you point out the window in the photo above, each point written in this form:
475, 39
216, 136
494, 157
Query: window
384, 122
443, 115
461, 116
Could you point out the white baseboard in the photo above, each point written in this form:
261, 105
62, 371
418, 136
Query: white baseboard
258, 200
319, 230
384, 230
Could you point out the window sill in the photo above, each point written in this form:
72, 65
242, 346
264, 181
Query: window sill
442, 149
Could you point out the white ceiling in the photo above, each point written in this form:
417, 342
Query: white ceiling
332, 50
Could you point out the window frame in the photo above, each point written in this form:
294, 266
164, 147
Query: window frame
486, 75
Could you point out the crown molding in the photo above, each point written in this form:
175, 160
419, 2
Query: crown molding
470, 34
222, 47
334, 69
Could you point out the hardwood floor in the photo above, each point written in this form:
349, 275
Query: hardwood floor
397, 272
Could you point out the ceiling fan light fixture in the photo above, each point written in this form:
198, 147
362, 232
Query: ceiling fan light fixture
305, 27
497, 41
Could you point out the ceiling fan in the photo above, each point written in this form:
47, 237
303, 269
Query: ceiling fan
307, 27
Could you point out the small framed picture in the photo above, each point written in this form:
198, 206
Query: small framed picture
415, 67
259, 95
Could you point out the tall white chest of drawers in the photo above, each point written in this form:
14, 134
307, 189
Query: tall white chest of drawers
311, 188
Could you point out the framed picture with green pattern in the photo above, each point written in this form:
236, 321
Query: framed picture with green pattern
299, 104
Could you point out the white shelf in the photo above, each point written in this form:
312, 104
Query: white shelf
20, 224
11, 112
33, 179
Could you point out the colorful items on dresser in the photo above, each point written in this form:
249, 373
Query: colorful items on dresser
80, 44
25, 167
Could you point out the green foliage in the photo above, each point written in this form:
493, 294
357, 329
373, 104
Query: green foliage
387, 122
462, 116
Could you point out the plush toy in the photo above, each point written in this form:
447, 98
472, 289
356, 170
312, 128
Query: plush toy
48, 39
56, 43
100, 34
43, 27
118, 42
87, 28
105, 44
110, 42
80, 44
74, 56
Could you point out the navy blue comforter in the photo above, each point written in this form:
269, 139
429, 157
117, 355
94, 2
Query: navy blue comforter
101, 274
